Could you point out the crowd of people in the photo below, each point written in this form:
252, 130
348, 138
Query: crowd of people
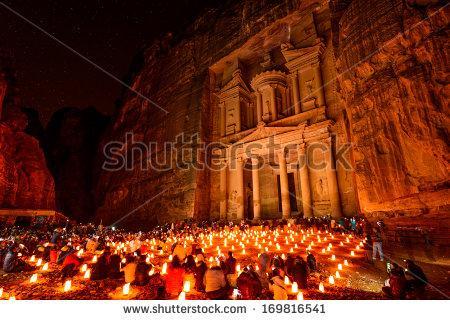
266, 280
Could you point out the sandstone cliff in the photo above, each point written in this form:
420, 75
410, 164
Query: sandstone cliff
25, 181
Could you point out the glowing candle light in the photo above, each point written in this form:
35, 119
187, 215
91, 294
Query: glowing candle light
126, 289
333, 257
345, 263
338, 275
186, 286
294, 287
341, 243
286, 280
323, 250
238, 268
33, 278
235, 294
300, 296
164, 268
291, 250
283, 256
357, 247
352, 253
331, 280
87, 274
1, 292
39, 262
243, 251
94, 259
67, 285
151, 272
12, 298
147, 260
339, 266
321, 287
45, 267
170, 258
80, 253
182, 296
32, 258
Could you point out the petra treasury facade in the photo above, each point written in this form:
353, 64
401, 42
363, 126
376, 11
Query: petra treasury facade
295, 74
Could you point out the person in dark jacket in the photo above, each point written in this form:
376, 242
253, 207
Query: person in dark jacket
200, 270
231, 263
70, 265
300, 273
100, 269
114, 267
248, 284
11, 261
417, 280
141, 274
311, 261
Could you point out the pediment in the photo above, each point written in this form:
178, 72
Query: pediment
236, 81
263, 132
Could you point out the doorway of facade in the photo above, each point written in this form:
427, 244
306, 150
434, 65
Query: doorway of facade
292, 193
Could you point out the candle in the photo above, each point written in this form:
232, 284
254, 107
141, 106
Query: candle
33, 278
12, 298
286, 280
238, 268
323, 250
345, 263
33, 258
87, 274
338, 275
45, 267
170, 258
186, 286
182, 296
39, 262
294, 287
164, 268
1, 292
331, 280
333, 257
321, 287
151, 272
300, 296
67, 285
84, 268
352, 253
339, 266
235, 294
126, 289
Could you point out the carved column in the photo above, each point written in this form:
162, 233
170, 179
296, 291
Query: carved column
319, 85
240, 188
256, 193
259, 107
333, 189
273, 104
223, 119
296, 93
223, 190
305, 186
238, 113
284, 187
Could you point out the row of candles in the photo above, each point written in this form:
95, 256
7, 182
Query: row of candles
208, 241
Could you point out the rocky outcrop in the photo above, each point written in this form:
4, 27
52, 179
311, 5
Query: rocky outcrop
394, 85
25, 181
71, 142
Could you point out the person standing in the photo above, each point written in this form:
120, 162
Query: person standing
377, 244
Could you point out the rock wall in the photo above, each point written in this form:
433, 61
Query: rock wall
390, 101
71, 141
176, 77
394, 84
25, 181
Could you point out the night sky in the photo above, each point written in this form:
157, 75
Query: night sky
108, 32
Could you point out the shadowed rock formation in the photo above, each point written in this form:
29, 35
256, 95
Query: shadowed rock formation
72, 137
